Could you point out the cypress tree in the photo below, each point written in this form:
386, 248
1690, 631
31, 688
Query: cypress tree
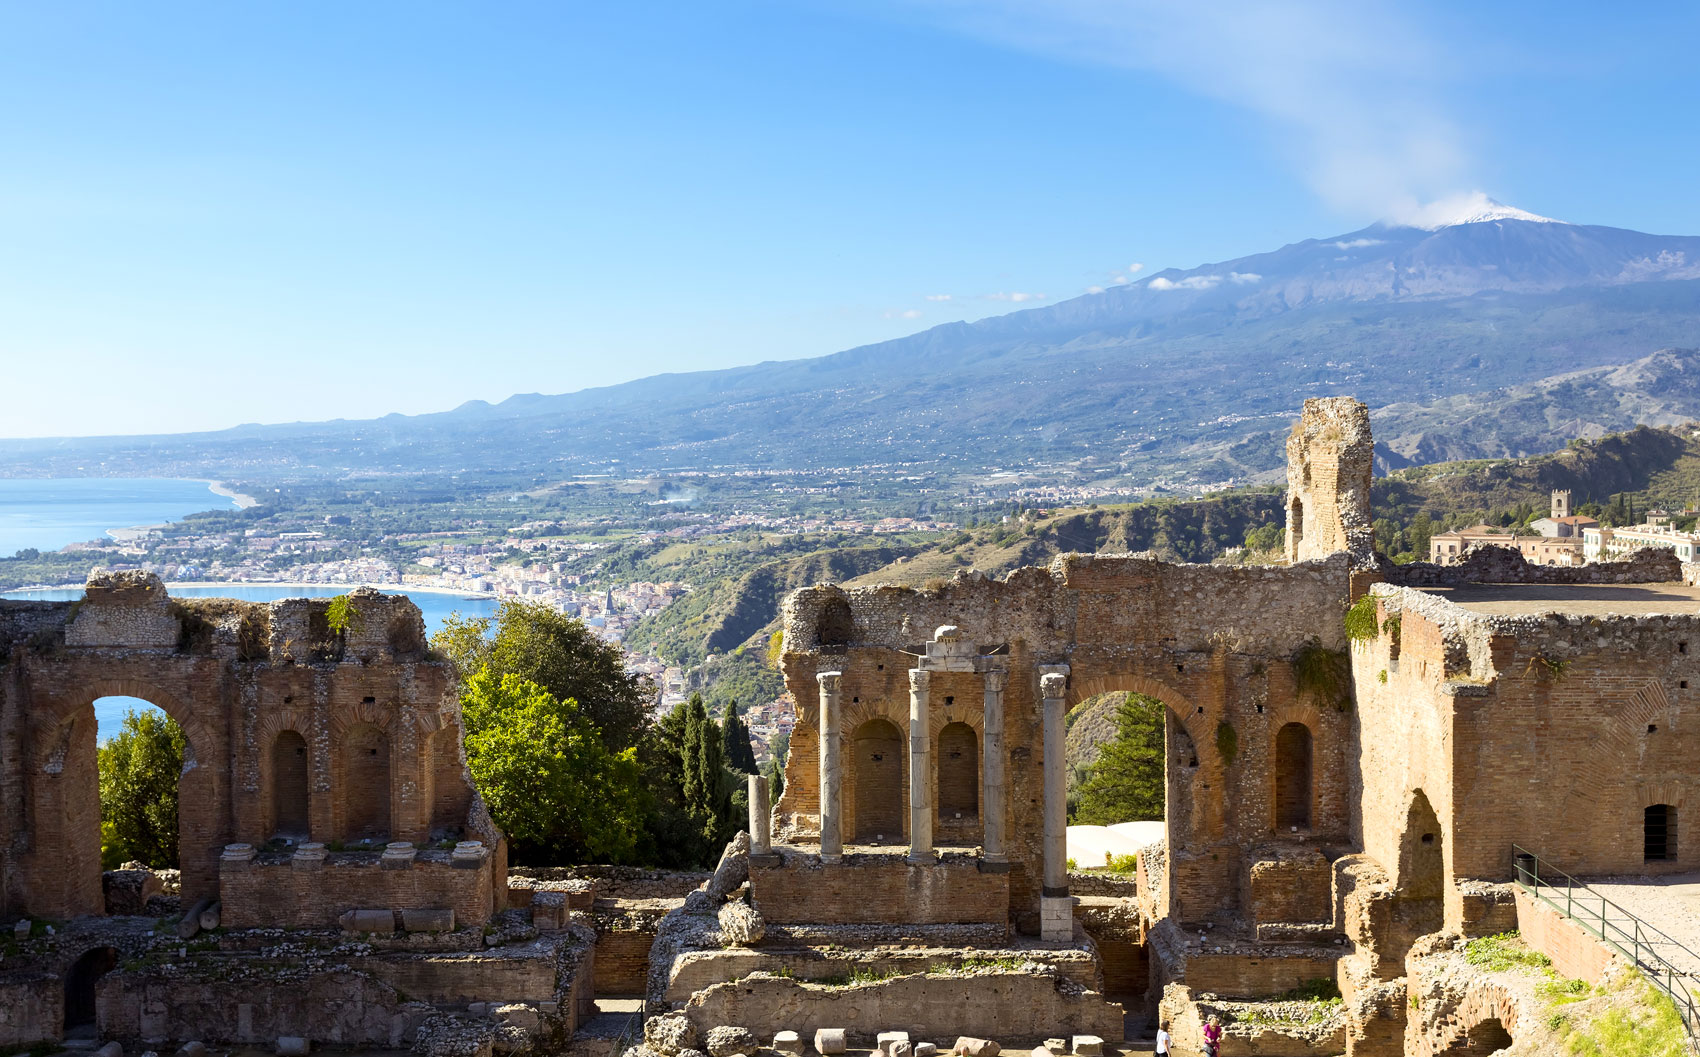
739, 755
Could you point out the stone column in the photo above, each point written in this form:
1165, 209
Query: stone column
761, 839
1056, 909
920, 769
992, 796
831, 770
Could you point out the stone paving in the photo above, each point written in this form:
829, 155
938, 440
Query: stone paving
1670, 903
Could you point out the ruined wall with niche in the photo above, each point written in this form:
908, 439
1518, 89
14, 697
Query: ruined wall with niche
1217, 644
1330, 456
236, 677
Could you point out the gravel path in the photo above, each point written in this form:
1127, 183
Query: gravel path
1670, 903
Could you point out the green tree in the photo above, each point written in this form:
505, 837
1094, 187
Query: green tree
552, 786
558, 653
1126, 784
139, 769
740, 756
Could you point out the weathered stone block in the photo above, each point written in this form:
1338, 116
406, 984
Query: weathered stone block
670, 1034
829, 1040
428, 919
292, 1046
741, 924
788, 1042
1087, 1046
887, 1039
726, 1041
367, 920
970, 1047
926, 1049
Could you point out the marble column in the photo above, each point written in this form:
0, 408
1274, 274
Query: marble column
761, 837
831, 770
920, 767
1056, 909
992, 796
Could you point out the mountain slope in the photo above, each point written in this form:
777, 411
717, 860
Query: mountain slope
1157, 376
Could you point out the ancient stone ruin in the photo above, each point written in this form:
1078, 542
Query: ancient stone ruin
1352, 749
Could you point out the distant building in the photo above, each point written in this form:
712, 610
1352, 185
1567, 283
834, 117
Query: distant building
1604, 544
1447, 548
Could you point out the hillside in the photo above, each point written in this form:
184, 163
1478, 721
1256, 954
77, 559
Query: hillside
1185, 375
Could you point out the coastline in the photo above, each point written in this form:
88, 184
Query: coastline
389, 589
242, 501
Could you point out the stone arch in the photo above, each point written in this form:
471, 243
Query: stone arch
80, 980
834, 625
958, 766
1294, 772
290, 785
1486, 1022
878, 780
363, 786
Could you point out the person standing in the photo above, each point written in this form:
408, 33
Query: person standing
1165, 1045
1213, 1037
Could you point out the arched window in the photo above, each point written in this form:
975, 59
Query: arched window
877, 769
959, 771
1659, 833
1292, 777
366, 783
289, 784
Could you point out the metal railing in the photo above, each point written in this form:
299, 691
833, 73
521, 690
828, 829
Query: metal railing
1618, 929
631, 1034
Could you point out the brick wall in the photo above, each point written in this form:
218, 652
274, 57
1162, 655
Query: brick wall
271, 892
1575, 954
878, 888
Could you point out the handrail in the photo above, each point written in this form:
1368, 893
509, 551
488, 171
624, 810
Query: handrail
1635, 944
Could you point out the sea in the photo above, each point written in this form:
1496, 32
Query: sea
47, 514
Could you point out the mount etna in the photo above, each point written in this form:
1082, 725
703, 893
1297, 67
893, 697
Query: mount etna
1494, 333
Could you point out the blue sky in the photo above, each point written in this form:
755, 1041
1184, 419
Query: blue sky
223, 213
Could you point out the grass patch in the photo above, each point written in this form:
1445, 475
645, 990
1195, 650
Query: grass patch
1504, 951
1653, 1028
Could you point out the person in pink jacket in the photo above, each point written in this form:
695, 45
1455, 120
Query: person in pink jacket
1213, 1037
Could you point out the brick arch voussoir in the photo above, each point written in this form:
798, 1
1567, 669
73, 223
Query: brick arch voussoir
199, 734
274, 723
363, 714
972, 719
854, 714
1669, 791
1305, 713
1199, 727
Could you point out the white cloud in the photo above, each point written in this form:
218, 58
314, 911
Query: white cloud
938, 297
1135, 268
1354, 91
1357, 244
1191, 282
908, 313
1094, 289
1244, 278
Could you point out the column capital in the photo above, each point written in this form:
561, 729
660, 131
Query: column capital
1053, 685
920, 679
996, 679
828, 681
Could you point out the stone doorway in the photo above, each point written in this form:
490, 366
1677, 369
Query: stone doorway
80, 983
878, 766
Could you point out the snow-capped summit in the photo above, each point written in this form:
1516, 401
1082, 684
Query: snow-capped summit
1471, 208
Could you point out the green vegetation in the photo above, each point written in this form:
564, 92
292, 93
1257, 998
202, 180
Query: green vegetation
559, 654
1227, 742
139, 768
1126, 783
1121, 864
1360, 619
1324, 674
551, 785
1321, 996
341, 615
1652, 1027
1502, 951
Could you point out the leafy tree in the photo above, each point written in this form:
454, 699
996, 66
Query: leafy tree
1126, 784
740, 756
558, 653
139, 769
550, 783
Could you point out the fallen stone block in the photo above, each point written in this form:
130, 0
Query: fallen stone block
1043, 1051
21, 929
367, 920
971, 1047
886, 1039
741, 924
1057, 1045
211, 916
1087, 1046
428, 919
549, 910
726, 1041
926, 1049
901, 1049
518, 1015
829, 1040
292, 1046
788, 1042
670, 1034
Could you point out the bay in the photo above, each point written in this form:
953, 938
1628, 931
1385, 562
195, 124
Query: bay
435, 606
48, 513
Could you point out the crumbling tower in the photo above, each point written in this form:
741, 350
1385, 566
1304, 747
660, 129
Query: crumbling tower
1329, 458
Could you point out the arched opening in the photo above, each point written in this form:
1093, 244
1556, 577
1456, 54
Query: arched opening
1658, 829
877, 770
365, 792
80, 990
1482, 1039
958, 772
1292, 777
1422, 872
289, 785
141, 760
835, 625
